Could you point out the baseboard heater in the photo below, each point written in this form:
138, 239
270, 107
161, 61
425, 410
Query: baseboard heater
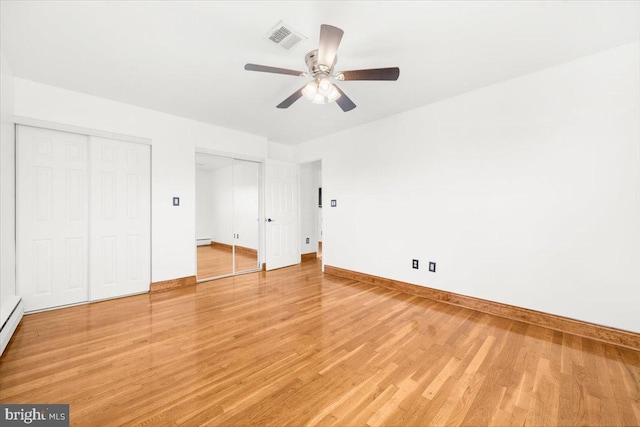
203, 242
15, 310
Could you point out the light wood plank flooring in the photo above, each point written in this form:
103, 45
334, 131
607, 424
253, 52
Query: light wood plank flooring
217, 261
294, 347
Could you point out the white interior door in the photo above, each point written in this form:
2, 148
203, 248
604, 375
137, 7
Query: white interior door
120, 218
52, 217
281, 213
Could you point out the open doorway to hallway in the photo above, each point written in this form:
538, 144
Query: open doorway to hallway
311, 224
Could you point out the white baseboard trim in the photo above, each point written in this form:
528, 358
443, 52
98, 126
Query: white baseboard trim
10, 324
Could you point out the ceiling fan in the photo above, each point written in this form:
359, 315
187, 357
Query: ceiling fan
321, 63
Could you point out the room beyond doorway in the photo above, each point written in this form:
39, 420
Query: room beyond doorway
311, 224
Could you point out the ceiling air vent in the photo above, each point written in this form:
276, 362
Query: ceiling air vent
285, 36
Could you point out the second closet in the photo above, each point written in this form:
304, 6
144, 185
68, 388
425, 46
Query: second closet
227, 216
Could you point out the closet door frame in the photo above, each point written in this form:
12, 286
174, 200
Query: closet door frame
87, 132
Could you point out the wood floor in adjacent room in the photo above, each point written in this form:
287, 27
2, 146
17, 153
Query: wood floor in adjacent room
294, 347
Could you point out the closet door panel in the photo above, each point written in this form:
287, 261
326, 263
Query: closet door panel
120, 218
214, 216
246, 215
52, 217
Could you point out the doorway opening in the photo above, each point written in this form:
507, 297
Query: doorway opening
311, 222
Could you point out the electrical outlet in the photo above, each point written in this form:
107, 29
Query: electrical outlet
334, 203
415, 264
432, 267
307, 240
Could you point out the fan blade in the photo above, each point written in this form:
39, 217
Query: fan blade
330, 38
290, 100
265, 69
373, 74
344, 101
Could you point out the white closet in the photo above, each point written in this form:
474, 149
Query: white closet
83, 218
227, 216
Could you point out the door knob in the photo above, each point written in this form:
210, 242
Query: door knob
270, 220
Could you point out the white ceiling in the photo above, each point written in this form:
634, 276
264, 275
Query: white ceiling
187, 58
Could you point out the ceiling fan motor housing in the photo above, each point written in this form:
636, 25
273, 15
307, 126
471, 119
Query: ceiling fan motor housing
318, 70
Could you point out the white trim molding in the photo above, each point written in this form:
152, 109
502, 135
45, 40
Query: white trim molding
28, 121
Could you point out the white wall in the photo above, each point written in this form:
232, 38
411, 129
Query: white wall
173, 159
526, 192
7, 193
278, 151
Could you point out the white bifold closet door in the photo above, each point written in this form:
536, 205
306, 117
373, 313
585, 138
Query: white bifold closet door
53, 217
83, 218
120, 218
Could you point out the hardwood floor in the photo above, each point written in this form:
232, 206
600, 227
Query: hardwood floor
295, 347
214, 261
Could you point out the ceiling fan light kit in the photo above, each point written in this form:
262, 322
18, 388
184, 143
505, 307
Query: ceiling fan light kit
321, 63
320, 91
